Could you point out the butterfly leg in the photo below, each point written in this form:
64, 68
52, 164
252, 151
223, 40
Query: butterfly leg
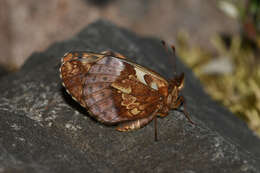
177, 104
115, 54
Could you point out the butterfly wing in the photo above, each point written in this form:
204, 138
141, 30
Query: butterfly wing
112, 89
75, 66
133, 95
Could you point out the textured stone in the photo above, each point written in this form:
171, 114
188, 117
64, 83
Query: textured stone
43, 130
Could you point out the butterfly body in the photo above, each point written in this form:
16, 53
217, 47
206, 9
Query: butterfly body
117, 91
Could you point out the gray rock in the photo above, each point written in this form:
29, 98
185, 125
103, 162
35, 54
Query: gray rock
3, 71
43, 130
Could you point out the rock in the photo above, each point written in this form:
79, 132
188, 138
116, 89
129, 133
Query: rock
43, 130
3, 71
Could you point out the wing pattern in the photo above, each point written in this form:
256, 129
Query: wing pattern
108, 87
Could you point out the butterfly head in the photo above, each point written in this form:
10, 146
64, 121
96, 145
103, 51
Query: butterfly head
175, 86
179, 81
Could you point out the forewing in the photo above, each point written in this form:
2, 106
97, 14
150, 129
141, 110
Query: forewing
133, 98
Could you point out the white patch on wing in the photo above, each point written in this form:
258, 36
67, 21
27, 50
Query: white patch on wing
140, 75
154, 86
141, 72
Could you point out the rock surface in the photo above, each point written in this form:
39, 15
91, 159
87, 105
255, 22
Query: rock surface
3, 71
43, 130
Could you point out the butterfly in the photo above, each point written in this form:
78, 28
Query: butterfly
120, 92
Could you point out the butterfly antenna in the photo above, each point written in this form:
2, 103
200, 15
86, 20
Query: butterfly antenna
171, 55
174, 60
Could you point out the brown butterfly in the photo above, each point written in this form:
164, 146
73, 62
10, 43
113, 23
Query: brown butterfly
116, 90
